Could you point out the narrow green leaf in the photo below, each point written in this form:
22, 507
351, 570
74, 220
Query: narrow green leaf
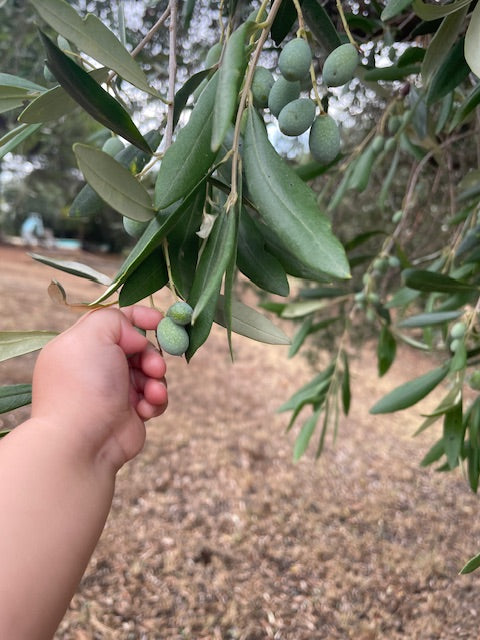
309, 392
431, 319
386, 350
114, 183
473, 460
429, 282
55, 103
93, 37
90, 96
427, 11
300, 336
148, 278
151, 238
9, 80
321, 25
301, 309
434, 453
441, 43
75, 268
213, 262
465, 109
12, 139
187, 161
391, 73
230, 76
18, 343
183, 94
306, 432
450, 74
471, 565
12, 397
250, 323
288, 206
453, 432
472, 36
258, 264
393, 8
346, 392
409, 393
283, 21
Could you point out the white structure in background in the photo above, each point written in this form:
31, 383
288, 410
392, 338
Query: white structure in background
32, 230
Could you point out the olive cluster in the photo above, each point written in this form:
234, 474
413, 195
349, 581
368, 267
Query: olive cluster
296, 114
172, 335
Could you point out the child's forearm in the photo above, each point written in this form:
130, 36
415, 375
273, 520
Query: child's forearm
54, 500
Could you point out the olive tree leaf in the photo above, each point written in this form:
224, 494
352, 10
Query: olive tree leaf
230, 76
427, 11
90, 96
213, 262
75, 268
17, 343
248, 322
321, 25
14, 396
471, 565
429, 281
288, 206
93, 37
148, 278
187, 161
472, 36
411, 392
441, 43
16, 136
430, 319
258, 264
453, 432
386, 350
114, 183
151, 238
9, 80
393, 8
55, 103
305, 435
450, 74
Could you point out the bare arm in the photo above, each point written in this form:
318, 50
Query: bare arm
57, 470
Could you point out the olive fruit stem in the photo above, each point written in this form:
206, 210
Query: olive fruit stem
301, 22
246, 91
345, 24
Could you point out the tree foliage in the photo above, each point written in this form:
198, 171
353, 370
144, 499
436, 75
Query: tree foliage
215, 197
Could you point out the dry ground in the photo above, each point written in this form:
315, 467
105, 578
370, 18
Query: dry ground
215, 534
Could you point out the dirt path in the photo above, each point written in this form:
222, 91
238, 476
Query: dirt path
215, 534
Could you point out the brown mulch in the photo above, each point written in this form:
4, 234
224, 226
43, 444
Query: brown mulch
215, 534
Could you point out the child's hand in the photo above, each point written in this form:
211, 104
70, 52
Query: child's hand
100, 380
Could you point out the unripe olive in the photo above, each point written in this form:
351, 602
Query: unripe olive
113, 145
378, 144
295, 59
373, 297
390, 144
394, 124
455, 344
393, 262
324, 140
262, 84
380, 264
474, 380
180, 312
458, 330
134, 228
340, 65
172, 337
296, 117
213, 55
397, 216
282, 92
